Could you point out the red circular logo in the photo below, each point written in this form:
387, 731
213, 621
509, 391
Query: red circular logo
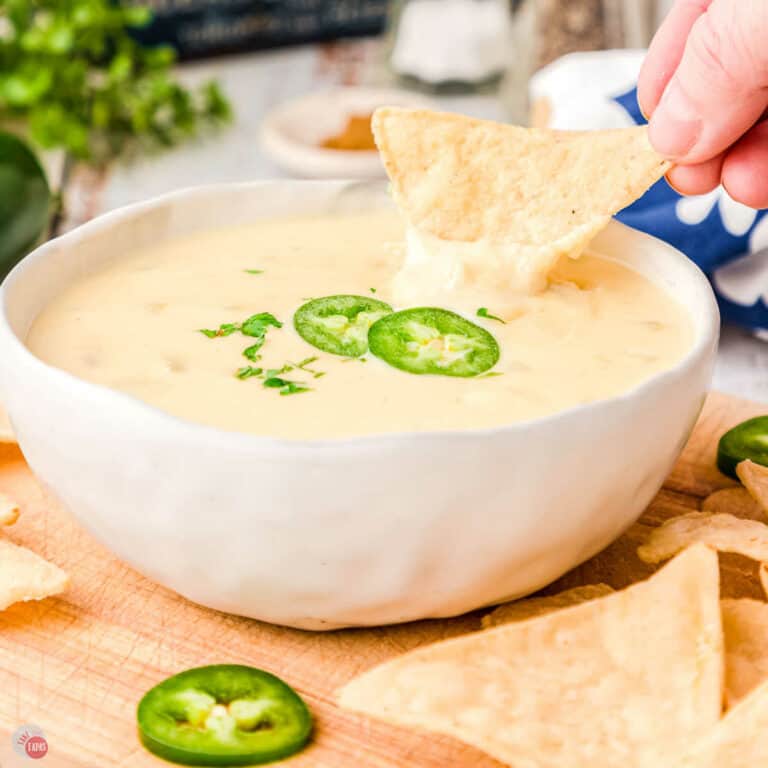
36, 747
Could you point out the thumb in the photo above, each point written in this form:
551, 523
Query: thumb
720, 87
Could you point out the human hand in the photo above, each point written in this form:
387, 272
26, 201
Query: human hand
704, 88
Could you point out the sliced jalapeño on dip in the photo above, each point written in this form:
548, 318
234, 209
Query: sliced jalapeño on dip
430, 340
225, 714
339, 324
748, 440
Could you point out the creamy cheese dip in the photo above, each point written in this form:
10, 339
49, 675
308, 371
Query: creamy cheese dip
597, 330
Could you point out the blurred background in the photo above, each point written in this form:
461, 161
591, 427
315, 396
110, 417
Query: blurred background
119, 100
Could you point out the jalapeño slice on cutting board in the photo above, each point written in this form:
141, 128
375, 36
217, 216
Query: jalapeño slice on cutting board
748, 440
225, 714
339, 324
431, 340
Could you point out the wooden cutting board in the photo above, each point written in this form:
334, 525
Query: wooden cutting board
77, 665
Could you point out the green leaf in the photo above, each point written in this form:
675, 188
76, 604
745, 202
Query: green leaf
286, 387
73, 70
248, 372
225, 329
25, 87
257, 325
254, 271
137, 15
252, 352
483, 312
24, 201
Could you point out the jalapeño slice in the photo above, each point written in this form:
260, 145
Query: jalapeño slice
748, 440
223, 715
339, 324
430, 340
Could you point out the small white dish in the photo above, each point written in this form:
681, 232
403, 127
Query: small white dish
320, 534
291, 134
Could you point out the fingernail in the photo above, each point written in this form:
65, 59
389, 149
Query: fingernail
675, 125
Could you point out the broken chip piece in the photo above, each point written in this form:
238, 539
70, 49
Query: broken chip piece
26, 576
722, 532
755, 479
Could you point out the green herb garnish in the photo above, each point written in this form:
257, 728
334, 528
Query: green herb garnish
254, 271
252, 352
286, 387
372, 290
302, 366
248, 372
483, 312
257, 325
489, 374
225, 329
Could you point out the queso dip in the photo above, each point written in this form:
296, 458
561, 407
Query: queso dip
597, 330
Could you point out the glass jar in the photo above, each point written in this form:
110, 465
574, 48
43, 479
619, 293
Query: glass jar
451, 46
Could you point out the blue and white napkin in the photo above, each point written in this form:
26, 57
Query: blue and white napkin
728, 240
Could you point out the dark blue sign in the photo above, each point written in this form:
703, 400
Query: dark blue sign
204, 27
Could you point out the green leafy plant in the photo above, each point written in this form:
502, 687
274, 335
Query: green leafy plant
72, 70
25, 201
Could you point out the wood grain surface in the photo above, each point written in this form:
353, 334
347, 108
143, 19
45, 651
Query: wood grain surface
77, 665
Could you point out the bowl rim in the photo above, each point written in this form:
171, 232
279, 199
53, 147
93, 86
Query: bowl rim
707, 334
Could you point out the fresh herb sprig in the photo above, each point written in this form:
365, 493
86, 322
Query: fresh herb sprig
483, 312
286, 387
248, 372
82, 82
256, 327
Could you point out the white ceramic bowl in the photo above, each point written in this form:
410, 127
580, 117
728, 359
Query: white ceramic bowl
368, 530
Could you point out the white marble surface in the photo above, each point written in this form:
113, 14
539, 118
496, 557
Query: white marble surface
256, 83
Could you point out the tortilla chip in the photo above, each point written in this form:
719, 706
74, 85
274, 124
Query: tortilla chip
755, 479
638, 673
538, 606
723, 532
9, 510
6, 433
547, 193
762, 572
740, 740
26, 576
734, 501
745, 627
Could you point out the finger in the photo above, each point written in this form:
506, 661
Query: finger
719, 88
666, 51
696, 179
745, 170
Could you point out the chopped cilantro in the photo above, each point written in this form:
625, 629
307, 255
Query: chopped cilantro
225, 329
483, 312
252, 352
286, 387
257, 325
254, 271
273, 372
248, 371
303, 366
372, 290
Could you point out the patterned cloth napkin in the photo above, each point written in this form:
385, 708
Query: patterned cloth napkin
728, 240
